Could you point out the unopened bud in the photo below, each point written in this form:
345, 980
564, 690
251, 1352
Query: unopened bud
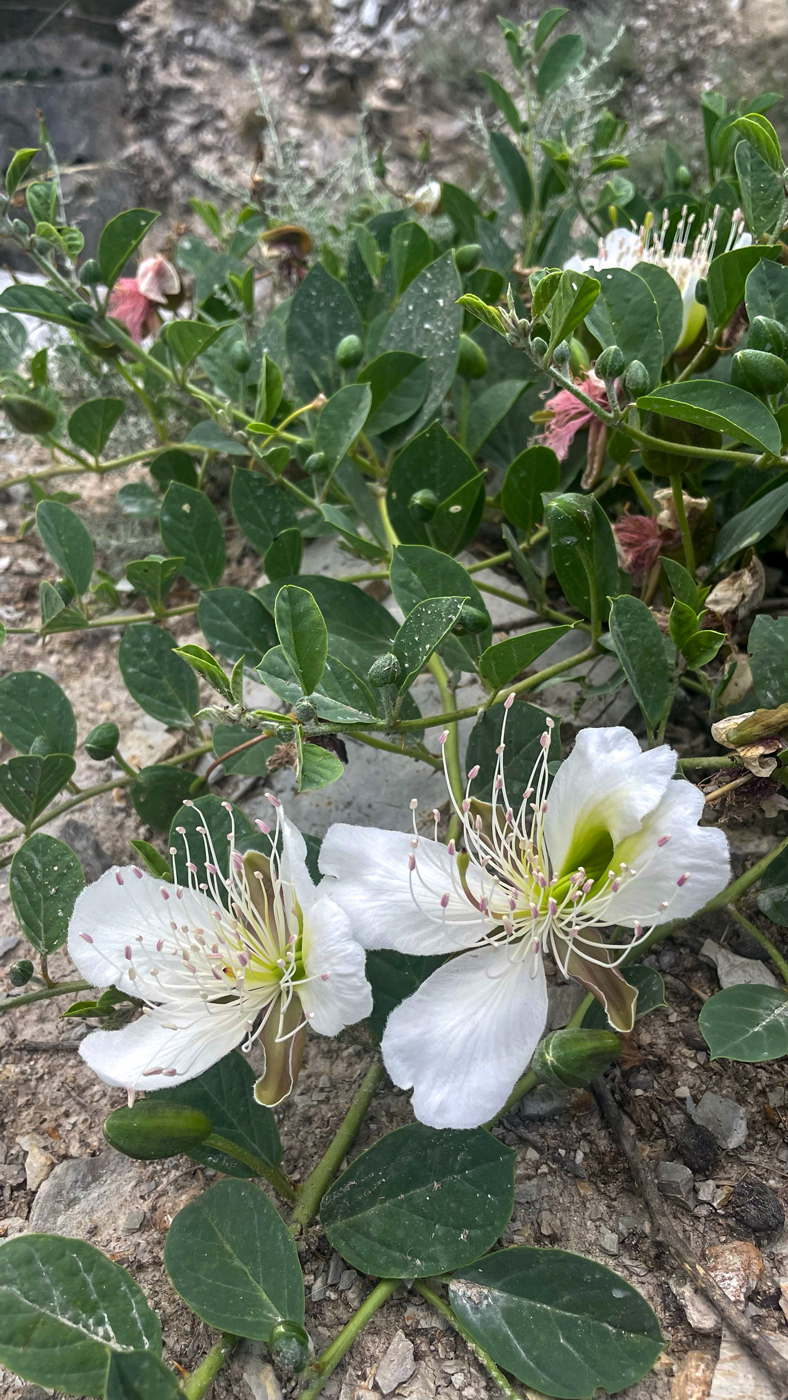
423, 505
610, 363
385, 671
102, 741
284, 733
239, 356
304, 711
538, 347
315, 463
683, 178
472, 363
349, 352
768, 334
758, 372
636, 380
156, 1128
28, 415
562, 353
471, 620
467, 257
19, 973
20, 228
289, 1346
702, 291
573, 1058
90, 273
81, 312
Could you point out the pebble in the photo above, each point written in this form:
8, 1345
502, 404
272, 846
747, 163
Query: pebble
754, 1205
38, 1163
675, 1180
347, 1279
698, 1148
608, 1240
335, 1270
707, 1190
734, 971
83, 842
693, 1377
133, 1221
543, 1102
738, 1376
258, 1373
724, 1118
397, 1365
737, 1268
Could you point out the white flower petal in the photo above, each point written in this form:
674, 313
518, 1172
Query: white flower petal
373, 886
462, 1040
123, 1057
606, 784
129, 912
293, 865
330, 951
701, 852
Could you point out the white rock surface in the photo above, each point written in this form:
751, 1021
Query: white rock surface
734, 971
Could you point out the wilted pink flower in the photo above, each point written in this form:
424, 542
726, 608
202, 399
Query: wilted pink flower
639, 541
570, 416
134, 300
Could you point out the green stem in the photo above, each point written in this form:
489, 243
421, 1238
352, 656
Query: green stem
689, 369
683, 523
419, 753
161, 431
311, 1193
505, 594
273, 1175
765, 942
435, 1301
328, 1361
118, 620
197, 1384
640, 491
710, 763
60, 989
85, 467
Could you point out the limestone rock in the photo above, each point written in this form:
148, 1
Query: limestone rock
397, 1365
87, 1195
724, 1118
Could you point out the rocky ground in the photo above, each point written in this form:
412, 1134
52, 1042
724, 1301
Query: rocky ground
573, 1190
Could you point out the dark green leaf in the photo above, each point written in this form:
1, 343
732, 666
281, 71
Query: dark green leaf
28, 784
748, 1023
512, 169
31, 300
558, 63
762, 137
683, 584
547, 24
173, 465
64, 1308
191, 528
90, 425
231, 1258
13, 339
155, 677
418, 572
640, 649
560, 1323
138, 500
317, 768
768, 646
140, 1375
421, 633
153, 577
360, 629
399, 383
225, 1093
236, 624
500, 664
761, 189
489, 408
18, 167
525, 726
32, 706
504, 102
210, 436
582, 544
434, 461
625, 314
119, 239
45, 879
766, 291
67, 541
773, 896
426, 321
710, 404
321, 314
262, 511
571, 304
750, 525
158, 791
727, 277
536, 470
421, 1201
252, 762
393, 977
188, 339
340, 422
302, 634
410, 250
283, 557
651, 995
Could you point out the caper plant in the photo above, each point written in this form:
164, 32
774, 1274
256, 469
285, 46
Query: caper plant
608, 430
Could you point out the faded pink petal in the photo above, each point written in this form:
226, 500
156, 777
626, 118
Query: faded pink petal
157, 279
129, 305
639, 541
570, 416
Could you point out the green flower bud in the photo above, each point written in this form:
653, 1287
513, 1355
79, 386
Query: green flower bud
102, 741
284, 733
423, 504
156, 1128
702, 292
239, 356
636, 380
304, 711
610, 364
683, 178
538, 347
289, 1346
90, 273
349, 352
28, 415
758, 372
572, 1058
385, 671
315, 462
81, 311
562, 353
470, 621
472, 363
467, 257
20, 228
767, 334
580, 361
41, 747
19, 973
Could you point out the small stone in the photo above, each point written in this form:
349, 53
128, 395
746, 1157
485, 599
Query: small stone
707, 1190
335, 1270
38, 1163
526, 1192
701, 1316
258, 1373
133, 1221
608, 1240
675, 1180
693, 1036
319, 1290
737, 1268
82, 840
698, 1148
397, 1365
723, 1117
754, 1205
628, 1223
734, 971
12, 1225
347, 1279
641, 1080
692, 1380
12, 1174
543, 1102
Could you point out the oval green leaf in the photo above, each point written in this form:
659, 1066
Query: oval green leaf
155, 677
711, 404
748, 1023
236, 624
119, 239
191, 528
140, 1375
302, 634
90, 425
640, 649
32, 706
45, 879
67, 541
501, 663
